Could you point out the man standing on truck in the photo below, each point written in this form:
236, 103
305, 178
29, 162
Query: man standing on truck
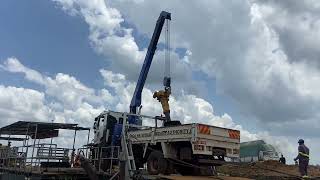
303, 157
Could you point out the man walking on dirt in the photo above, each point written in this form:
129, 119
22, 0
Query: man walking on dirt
282, 159
303, 157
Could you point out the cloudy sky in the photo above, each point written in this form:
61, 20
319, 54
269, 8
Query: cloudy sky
249, 65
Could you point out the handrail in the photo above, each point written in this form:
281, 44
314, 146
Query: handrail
100, 155
17, 159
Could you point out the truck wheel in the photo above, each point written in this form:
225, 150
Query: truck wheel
156, 163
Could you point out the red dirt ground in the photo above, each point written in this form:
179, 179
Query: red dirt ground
266, 170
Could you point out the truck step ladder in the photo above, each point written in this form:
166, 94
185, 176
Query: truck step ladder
127, 153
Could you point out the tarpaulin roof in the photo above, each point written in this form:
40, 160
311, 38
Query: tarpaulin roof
44, 129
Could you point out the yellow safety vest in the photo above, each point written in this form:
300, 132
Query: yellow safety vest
303, 154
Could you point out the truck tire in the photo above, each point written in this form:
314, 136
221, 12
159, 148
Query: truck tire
156, 163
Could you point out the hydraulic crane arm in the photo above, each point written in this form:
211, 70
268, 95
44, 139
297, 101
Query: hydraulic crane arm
136, 99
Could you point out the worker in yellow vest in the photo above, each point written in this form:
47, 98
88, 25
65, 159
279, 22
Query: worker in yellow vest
163, 97
303, 157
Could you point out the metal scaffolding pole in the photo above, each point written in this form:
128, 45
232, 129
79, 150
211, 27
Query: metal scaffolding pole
88, 143
74, 141
27, 147
34, 144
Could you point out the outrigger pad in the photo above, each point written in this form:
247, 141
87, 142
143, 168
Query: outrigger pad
171, 123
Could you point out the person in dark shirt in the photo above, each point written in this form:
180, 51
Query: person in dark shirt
282, 159
303, 157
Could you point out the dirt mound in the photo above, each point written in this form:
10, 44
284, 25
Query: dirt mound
266, 170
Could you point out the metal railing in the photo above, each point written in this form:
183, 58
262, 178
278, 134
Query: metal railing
29, 158
49, 152
11, 157
104, 159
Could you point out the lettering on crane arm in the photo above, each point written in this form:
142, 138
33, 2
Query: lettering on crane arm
161, 133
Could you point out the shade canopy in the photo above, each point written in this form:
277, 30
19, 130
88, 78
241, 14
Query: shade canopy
43, 129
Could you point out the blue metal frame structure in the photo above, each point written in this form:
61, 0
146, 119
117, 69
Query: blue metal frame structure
136, 98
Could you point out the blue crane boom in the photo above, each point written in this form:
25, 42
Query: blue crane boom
136, 99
